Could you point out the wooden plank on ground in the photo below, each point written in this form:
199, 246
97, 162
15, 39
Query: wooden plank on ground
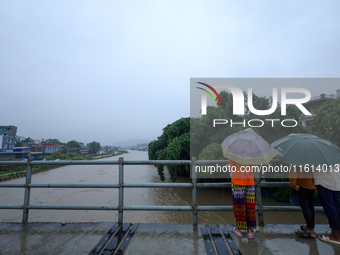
207, 241
98, 247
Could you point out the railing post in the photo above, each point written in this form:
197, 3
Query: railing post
194, 191
258, 197
121, 191
27, 190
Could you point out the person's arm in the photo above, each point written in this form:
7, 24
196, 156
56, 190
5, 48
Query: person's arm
293, 177
232, 163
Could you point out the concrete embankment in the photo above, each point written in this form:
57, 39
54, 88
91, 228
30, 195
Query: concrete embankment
7, 177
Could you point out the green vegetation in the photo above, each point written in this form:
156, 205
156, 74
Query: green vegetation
203, 134
16, 170
211, 152
73, 144
94, 147
57, 141
326, 123
173, 144
71, 156
282, 194
204, 140
211, 219
11, 169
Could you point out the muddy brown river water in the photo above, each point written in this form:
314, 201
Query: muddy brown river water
132, 196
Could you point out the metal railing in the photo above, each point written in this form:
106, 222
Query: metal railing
26, 206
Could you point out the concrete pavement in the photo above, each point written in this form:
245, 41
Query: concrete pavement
79, 238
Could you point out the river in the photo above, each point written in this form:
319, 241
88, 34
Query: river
132, 196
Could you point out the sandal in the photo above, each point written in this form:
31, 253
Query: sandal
325, 237
304, 234
252, 236
303, 228
239, 235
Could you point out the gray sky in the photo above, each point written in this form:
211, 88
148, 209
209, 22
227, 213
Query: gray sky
111, 70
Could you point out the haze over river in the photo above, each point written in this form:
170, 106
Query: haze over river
132, 196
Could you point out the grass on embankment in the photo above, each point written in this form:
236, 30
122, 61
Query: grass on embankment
11, 172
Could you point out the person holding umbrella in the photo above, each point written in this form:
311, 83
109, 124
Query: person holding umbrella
328, 186
243, 192
323, 158
244, 149
302, 182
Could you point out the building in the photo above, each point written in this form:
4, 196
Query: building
71, 150
7, 137
48, 148
85, 152
20, 138
7, 155
28, 142
313, 104
18, 153
22, 152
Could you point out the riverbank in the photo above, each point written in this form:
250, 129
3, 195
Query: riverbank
38, 169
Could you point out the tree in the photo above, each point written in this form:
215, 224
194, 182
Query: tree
56, 141
56, 155
212, 152
70, 154
107, 148
94, 147
73, 144
269, 133
326, 123
173, 144
203, 134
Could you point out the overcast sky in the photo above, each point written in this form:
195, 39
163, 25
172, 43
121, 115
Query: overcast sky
110, 71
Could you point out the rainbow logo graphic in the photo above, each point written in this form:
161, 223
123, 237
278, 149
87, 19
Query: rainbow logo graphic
213, 90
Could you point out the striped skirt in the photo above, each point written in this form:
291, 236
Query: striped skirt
244, 206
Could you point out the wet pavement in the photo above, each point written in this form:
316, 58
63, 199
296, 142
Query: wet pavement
151, 238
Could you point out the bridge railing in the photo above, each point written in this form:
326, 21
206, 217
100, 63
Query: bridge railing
121, 185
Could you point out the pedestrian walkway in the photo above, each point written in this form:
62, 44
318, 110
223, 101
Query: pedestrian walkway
152, 238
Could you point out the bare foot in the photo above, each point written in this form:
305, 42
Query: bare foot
238, 231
